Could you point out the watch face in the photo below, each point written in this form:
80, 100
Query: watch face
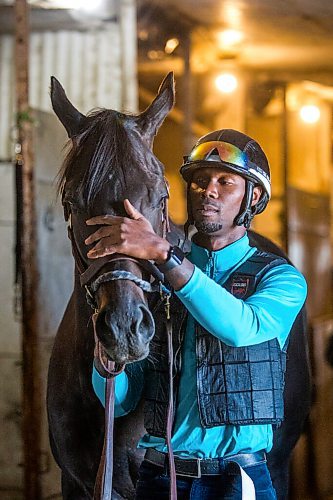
177, 254
175, 258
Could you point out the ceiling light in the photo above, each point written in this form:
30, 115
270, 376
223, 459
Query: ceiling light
230, 38
226, 83
143, 35
155, 55
310, 113
171, 45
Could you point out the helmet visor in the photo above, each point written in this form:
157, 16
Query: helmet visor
231, 156
227, 152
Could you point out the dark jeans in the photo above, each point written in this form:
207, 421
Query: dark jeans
153, 484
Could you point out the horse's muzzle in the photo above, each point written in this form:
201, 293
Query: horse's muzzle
125, 335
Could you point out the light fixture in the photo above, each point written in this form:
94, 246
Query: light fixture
226, 83
155, 55
171, 45
310, 113
229, 38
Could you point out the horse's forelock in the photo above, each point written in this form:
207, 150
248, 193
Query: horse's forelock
104, 151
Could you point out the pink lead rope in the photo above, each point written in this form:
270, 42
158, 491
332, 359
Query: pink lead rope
103, 483
172, 469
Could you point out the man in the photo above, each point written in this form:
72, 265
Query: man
230, 347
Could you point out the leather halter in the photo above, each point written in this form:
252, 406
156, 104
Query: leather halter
90, 280
89, 273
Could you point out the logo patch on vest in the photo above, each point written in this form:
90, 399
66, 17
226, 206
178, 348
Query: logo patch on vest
240, 286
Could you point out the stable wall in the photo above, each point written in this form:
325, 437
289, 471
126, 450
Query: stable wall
97, 68
299, 214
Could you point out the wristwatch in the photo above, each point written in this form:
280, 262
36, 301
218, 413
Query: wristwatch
175, 258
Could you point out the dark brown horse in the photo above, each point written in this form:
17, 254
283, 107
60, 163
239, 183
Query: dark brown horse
110, 158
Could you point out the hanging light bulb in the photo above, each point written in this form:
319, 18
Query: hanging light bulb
230, 38
310, 113
226, 83
171, 45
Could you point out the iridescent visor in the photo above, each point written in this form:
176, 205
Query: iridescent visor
227, 153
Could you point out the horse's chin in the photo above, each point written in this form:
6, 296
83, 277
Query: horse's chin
121, 359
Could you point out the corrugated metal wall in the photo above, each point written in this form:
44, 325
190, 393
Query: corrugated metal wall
97, 68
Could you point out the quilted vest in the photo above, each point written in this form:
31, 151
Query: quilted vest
235, 385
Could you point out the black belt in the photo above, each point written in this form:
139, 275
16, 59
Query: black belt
196, 467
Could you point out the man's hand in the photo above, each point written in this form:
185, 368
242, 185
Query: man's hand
131, 235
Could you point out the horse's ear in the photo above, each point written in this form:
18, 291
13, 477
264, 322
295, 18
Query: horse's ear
69, 116
152, 118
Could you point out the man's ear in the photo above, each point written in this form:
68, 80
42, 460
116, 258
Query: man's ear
257, 192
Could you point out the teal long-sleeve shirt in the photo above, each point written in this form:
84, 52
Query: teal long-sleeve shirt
269, 313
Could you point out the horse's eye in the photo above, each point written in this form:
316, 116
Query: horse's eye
162, 202
73, 203
68, 197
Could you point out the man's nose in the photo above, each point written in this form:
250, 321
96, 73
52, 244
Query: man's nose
211, 190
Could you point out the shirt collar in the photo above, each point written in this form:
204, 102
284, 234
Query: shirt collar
224, 259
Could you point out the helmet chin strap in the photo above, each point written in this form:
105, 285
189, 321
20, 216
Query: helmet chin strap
247, 213
189, 221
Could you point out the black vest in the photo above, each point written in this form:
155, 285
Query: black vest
235, 385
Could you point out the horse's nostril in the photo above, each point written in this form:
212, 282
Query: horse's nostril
140, 324
145, 324
125, 335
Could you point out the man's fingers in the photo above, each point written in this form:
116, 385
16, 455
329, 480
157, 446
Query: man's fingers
102, 232
132, 211
103, 219
101, 250
100, 220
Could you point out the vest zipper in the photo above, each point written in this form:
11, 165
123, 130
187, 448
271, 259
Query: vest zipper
211, 266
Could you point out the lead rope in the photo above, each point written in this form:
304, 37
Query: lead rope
166, 295
103, 482
172, 468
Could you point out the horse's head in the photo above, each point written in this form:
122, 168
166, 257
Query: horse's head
109, 159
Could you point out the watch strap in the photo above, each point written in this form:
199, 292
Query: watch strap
174, 259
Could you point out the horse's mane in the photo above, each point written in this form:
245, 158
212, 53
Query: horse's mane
99, 153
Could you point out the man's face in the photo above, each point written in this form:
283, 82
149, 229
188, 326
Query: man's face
215, 197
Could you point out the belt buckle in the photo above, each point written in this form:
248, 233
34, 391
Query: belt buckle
199, 468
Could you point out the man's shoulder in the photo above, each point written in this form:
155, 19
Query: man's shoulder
279, 272
267, 256
270, 265
259, 262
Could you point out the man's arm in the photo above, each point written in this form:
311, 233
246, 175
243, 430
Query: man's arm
268, 313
